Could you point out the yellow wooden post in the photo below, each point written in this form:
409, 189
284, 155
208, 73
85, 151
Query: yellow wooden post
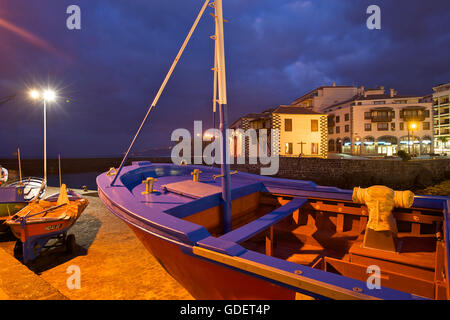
149, 185
195, 175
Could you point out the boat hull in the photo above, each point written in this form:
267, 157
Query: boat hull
218, 267
206, 280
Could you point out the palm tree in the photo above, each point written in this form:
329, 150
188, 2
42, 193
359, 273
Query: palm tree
443, 140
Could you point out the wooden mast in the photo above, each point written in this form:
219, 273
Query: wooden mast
222, 101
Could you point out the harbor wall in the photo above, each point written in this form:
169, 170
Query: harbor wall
342, 173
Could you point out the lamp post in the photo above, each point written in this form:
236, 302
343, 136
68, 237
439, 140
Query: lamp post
412, 127
46, 96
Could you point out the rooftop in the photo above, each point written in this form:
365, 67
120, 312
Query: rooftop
316, 89
294, 110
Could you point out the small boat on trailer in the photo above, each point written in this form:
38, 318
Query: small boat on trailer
289, 239
43, 220
245, 236
15, 195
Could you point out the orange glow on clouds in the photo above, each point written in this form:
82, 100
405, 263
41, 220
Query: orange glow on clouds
31, 38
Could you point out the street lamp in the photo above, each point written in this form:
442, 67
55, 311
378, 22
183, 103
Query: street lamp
46, 96
412, 126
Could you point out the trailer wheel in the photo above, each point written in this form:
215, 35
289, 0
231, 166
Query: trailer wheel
70, 243
18, 249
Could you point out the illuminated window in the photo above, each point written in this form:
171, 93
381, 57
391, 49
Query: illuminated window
289, 149
314, 148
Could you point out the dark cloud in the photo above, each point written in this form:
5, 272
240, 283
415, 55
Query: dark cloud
275, 51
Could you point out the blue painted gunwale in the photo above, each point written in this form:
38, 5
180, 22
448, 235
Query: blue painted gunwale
12, 195
159, 214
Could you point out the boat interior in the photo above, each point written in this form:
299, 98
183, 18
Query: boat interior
328, 234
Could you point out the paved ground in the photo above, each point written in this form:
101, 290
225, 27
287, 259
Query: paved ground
113, 265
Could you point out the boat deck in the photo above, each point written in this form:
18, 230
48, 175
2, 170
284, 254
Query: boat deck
286, 224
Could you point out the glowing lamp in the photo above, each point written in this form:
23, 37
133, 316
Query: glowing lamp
34, 94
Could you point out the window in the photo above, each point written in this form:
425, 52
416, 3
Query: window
426, 126
331, 145
393, 126
338, 119
330, 130
347, 128
287, 124
383, 126
289, 149
314, 148
402, 126
368, 127
379, 102
367, 115
314, 125
347, 117
338, 129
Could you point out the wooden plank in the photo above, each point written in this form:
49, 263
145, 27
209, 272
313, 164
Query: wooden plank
269, 242
340, 207
447, 244
251, 229
388, 279
415, 259
415, 229
294, 280
340, 223
192, 189
362, 224
393, 266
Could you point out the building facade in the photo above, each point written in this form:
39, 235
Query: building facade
302, 132
376, 123
322, 97
441, 113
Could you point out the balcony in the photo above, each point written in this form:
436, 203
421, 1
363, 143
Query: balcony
380, 115
414, 114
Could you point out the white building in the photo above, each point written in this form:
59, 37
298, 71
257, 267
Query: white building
322, 97
441, 111
377, 123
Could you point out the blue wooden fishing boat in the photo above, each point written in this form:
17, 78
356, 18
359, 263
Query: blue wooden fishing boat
245, 236
15, 195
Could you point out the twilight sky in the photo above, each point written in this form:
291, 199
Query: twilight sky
276, 50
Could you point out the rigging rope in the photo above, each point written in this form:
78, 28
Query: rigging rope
161, 89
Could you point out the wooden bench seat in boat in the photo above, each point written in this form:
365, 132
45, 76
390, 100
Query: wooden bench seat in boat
257, 226
192, 189
416, 252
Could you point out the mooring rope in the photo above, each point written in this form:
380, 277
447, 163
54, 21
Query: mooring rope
161, 89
